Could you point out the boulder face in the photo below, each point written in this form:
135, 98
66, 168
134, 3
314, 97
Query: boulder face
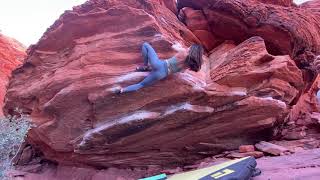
11, 55
294, 31
304, 109
313, 6
206, 3
198, 24
241, 95
172, 5
286, 3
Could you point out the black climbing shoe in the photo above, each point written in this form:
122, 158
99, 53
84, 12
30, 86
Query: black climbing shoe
143, 69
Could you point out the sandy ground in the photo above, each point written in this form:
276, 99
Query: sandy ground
298, 166
304, 165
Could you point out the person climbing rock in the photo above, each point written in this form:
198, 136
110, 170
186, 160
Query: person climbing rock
190, 58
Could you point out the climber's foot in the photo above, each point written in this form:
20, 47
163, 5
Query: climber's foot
143, 69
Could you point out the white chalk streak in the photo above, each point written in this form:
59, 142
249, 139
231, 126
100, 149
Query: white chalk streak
196, 83
279, 102
238, 93
188, 107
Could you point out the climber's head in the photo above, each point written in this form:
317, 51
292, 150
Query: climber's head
194, 59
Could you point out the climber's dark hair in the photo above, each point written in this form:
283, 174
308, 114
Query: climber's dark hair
194, 58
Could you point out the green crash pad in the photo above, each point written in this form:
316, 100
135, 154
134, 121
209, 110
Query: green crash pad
240, 169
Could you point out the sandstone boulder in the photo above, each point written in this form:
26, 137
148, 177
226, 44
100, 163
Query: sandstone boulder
271, 148
11, 55
246, 148
198, 24
210, 110
255, 154
172, 5
315, 117
313, 5
306, 105
277, 2
66, 82
286, 30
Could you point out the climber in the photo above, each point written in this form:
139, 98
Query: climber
190, 58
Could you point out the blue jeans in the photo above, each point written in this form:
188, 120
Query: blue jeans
159, 68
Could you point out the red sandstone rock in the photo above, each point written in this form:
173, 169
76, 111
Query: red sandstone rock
315, 117
301, 113
194, 19
244, 73
293, 31
26, 156
246, 148
286, 30
11, 55
198, 24
240, 90
313, 6
294, 145
277, 2
295, 135
172, 5
271, 148
255, 154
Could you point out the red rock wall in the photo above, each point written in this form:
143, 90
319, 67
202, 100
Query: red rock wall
313, 6
172, 5
278, 2
11, 55
294, 31
241, 95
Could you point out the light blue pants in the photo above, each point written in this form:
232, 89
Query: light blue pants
318, 96
159, 68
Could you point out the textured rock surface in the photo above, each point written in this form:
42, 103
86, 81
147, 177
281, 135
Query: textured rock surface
67, 92
255, 154
301, 114
242, 95
278, 2
246, 148
271, 148
293, 31
11, 55
302, 165
172, 5
313, 5
198, 24
290, 30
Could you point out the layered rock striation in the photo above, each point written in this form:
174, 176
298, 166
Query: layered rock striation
243, 94
294, 31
